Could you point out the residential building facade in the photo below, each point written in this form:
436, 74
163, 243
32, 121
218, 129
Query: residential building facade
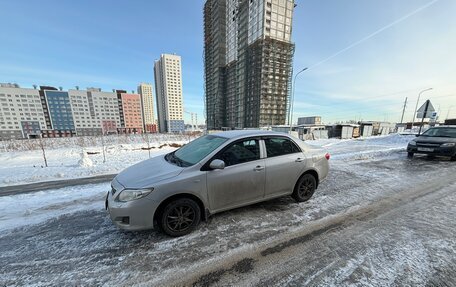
248, 57
106, 111
147, 102
132, 113
51, 112
57, 112
85, 119
21, 112
168, 90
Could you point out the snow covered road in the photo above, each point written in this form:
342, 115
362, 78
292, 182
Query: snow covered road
379, 219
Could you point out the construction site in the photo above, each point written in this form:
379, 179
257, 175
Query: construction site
248, 59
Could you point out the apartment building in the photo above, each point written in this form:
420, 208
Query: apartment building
132, 113
51, 112
106, 111
84, 116
168, 90
147, 103
248, 57
21, 112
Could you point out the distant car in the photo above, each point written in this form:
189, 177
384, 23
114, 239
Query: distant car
214, 173
437, 141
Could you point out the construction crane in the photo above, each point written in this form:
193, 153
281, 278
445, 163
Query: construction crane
194, 117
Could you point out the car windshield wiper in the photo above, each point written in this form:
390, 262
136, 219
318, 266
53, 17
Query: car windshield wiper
173, 159
177, 160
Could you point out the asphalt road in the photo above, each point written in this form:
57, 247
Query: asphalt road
384, 221
46, 185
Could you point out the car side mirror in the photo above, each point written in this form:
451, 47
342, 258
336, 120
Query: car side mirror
217, 164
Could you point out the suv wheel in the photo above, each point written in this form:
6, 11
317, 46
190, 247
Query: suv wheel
410, 154
304, 188
180, 217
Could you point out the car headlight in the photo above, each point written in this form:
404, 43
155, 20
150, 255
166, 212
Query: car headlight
448, 145
412, 143
133, 194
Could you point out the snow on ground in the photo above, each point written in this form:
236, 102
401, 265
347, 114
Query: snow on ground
73, 161
79, 245
363, 148
34, 208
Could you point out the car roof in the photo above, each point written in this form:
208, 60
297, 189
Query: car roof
246, 133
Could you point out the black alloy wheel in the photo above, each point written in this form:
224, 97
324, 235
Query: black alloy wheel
180, 217
305, 188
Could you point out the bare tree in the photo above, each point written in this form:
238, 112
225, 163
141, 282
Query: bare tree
146, 139
103, 147
41, 142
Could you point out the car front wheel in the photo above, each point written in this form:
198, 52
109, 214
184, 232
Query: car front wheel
410, 154
305, 188
180, 217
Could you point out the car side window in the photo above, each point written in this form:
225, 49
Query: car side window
280, 146
241, 152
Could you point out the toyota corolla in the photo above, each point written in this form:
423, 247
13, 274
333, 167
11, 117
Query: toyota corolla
211, 174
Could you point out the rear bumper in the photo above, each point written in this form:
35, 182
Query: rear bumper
437, 151
132, 215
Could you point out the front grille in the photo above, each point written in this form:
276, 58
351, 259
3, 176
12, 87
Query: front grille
430, 145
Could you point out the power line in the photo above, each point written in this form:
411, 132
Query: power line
374, 33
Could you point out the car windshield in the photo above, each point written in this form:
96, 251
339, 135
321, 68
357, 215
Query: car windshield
196, 150
441, 132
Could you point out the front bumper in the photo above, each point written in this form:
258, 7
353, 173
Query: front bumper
437, 151
133, 215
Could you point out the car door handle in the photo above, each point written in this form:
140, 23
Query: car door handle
258, 168
299, 159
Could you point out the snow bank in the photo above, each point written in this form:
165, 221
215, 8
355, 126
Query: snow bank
20, 167
27, 166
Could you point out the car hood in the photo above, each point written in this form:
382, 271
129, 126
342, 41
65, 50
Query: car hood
436, 140
146, 173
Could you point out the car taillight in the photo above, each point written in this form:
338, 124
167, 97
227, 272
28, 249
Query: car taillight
327, 156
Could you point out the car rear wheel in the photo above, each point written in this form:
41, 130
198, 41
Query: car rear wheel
304, 188
410, 154
180, 217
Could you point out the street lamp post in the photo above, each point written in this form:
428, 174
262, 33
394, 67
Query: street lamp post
416, 107
290, 116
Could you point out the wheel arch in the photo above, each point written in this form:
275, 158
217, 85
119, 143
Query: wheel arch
312, 172
159, 210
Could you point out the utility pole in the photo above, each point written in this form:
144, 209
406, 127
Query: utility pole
403, 110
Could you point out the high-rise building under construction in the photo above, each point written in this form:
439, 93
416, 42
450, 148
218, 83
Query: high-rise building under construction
248, 57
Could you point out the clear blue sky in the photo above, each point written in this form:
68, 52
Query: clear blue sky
112, 44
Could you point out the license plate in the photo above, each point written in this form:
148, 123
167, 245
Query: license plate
425, 149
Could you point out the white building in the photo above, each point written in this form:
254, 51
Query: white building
84, 116
147, 102
21, 112
107, 112
168, 87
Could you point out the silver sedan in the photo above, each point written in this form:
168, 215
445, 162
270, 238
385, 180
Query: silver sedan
211, 174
